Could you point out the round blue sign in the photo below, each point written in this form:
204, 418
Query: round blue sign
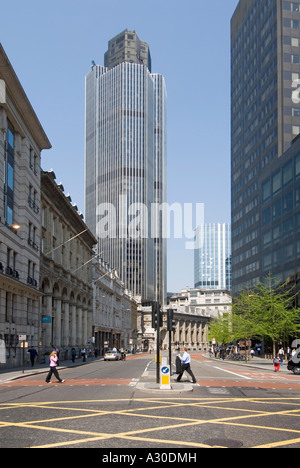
165, 370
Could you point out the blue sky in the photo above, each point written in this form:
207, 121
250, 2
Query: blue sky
51, 45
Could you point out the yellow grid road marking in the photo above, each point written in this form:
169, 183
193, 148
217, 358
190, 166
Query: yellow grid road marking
158, 404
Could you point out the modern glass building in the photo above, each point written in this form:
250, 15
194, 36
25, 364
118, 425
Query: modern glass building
280, 215
125, 164
265, 65
212, 256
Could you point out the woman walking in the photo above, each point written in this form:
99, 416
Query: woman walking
53, 368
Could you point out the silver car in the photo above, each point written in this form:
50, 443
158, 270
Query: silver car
111, 355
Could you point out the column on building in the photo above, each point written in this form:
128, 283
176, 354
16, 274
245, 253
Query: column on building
66, 320
73, 313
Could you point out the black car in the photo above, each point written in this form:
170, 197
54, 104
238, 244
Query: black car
294, 367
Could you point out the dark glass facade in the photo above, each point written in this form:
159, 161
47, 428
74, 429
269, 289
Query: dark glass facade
280, 214
265, 38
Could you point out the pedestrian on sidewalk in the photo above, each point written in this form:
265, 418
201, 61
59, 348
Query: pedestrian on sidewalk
83, 354
33, 355
185, 365
281, 355
276, 362
73, 354
53, 368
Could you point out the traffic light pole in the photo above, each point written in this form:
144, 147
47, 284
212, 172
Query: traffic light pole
157, 353
156, 323
170, 350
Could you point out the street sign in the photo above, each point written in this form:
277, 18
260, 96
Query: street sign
22, 337
165, 377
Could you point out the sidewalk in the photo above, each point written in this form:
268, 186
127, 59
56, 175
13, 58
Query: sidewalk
256, 362
7, 375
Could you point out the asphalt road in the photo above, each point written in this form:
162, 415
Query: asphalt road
100, 405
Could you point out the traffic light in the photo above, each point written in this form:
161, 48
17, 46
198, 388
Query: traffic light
156, 316
170, 320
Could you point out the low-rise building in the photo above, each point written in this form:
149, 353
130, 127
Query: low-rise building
115, 310
193, 309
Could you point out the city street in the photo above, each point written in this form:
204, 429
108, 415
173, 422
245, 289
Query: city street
104, 405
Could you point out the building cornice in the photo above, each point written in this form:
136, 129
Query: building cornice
21, 102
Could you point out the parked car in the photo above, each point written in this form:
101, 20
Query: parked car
112, 355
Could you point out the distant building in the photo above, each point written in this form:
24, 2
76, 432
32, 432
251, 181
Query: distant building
114, 311
193, 310
212, 256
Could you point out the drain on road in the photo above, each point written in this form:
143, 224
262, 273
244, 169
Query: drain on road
226, 443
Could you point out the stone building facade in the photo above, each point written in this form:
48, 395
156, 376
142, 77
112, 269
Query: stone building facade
193, 309
67, 251
115, 310
22, 140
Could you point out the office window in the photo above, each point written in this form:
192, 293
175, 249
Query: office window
10, 135
297, 166
266, 188
287, 173
9, 216
276, 182
287, 203
295, 112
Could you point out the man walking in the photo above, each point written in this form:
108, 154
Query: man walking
185, 365
33, 354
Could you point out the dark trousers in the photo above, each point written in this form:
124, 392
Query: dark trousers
187, 368
54, 371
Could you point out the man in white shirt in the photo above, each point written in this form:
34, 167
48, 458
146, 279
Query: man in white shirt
185, 365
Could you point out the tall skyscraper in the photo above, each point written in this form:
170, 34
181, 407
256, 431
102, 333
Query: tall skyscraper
125, 164
212, 256
265, 65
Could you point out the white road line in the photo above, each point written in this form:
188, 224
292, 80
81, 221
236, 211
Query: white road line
239, 375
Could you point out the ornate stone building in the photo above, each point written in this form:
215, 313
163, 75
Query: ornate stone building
193, 310
115, 311
84, 302
67, 251
22, 140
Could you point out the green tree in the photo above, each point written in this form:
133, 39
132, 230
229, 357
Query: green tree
267, 311
221, 329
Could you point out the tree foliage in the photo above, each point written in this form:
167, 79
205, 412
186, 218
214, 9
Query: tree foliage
266, 311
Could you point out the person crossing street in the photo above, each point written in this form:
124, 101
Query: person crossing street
185, 365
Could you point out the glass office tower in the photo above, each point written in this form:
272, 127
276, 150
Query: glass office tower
265, 62
125, 164
212, 256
